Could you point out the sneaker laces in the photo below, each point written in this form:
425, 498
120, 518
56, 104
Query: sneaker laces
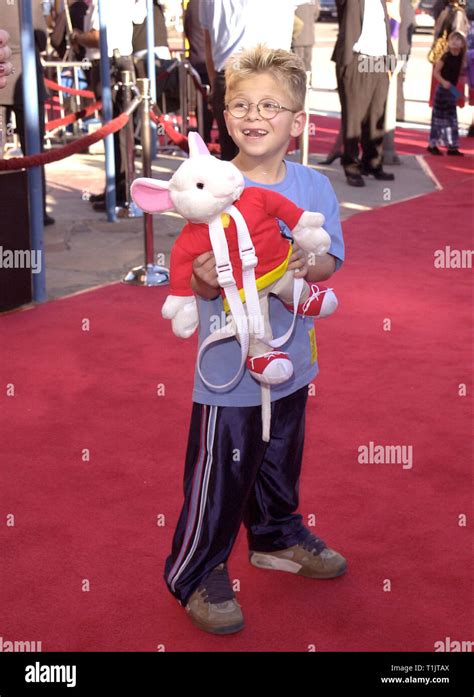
216, 588
315, 293
269, 356
313, 544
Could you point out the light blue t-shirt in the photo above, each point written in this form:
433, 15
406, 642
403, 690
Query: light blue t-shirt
313, 192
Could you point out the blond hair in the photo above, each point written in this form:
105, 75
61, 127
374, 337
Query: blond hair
285, 67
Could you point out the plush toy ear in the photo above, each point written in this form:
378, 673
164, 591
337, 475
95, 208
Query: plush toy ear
151, 195
196, 145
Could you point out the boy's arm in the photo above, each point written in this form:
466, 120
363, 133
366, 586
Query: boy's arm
319, 268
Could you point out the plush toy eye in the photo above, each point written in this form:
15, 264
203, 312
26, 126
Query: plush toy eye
200, 185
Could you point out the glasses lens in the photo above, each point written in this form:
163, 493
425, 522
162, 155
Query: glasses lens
268, 108
238, 108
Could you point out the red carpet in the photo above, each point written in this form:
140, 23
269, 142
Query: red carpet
96, 520
408, 141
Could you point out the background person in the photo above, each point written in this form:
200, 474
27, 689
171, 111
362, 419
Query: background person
197, 57
119, 27
444, 119
12, 94
303, 43
364, 31
231, 25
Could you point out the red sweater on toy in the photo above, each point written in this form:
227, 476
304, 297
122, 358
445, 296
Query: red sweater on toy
260, 208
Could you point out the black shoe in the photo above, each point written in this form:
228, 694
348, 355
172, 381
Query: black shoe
354, 179
96, 198
377, 173
433, 150
455, 151
331, 158
48, 220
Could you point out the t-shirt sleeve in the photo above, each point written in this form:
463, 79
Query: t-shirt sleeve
205, 13
326, 203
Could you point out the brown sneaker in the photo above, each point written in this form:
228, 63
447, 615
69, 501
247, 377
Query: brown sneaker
213, 607
310, 558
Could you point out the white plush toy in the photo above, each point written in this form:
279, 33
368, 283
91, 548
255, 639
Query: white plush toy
240, 226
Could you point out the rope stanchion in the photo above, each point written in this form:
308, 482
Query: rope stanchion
70, 149
69, 90
150, 274
72, 118
178, 138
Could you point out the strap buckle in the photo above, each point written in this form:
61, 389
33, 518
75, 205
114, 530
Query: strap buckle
225, 277
248, 258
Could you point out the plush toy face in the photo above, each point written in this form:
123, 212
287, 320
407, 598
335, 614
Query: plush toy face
204, 186
201, 189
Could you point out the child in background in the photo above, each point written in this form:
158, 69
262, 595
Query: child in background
231, 475
444, 119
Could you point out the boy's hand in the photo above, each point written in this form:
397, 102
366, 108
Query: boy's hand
298, 262
204, 280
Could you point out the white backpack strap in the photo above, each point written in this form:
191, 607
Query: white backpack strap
266, 412
298, 285
249, 262
226, 280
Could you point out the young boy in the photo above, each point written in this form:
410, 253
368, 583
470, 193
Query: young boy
231, 475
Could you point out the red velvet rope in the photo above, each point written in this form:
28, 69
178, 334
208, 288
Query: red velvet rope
70, 90
70, 149
178, 138
71, 118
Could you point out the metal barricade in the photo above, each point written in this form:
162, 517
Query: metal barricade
74, 67
150, 274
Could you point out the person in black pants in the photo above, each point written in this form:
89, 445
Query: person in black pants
362, 92
120, 35
197, 57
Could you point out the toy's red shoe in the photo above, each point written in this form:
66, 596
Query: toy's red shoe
321, 302
270, 368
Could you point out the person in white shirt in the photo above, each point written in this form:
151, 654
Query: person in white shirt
119, 28
232, 25
361, 54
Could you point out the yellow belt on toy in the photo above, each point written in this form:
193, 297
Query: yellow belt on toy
267, 279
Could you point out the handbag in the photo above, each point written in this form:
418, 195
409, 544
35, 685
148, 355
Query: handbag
440, 45
439, 48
